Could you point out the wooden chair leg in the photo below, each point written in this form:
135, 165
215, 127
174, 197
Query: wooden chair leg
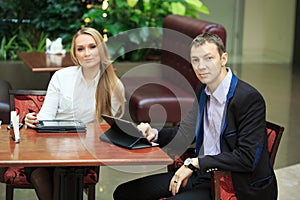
9, 195
216, 186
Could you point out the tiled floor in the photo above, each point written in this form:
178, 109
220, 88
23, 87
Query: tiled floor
280, 86
288, 182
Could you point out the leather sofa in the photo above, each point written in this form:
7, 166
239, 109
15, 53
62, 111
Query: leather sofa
168, 97
4, 101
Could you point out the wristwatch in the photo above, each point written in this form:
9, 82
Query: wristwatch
189, 163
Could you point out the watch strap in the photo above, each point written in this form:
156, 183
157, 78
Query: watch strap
192, 167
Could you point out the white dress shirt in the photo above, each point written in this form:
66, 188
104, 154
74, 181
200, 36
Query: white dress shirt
213, 115
70, 97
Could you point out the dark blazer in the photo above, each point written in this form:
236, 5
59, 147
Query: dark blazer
243, 144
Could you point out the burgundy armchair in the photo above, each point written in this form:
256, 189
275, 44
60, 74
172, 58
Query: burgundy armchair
174, 88
222, 186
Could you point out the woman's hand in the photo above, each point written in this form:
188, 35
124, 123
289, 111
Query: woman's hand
148, 132
31, 119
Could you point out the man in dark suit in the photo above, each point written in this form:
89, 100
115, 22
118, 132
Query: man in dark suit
229, 127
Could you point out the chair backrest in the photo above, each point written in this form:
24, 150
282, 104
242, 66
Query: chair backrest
178, 33
274, 132
4, 101
222, 184
25, 101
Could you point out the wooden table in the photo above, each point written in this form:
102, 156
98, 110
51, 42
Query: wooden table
42, 62
72, 149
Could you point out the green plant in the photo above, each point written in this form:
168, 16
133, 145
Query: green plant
58, 18
7, 48
29, 47
33, 20
151, 12
23, 22
119, 16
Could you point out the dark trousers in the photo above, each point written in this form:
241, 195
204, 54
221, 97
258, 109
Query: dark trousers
156, 186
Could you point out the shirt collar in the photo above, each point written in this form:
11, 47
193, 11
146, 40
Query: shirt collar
221, 92
94, 81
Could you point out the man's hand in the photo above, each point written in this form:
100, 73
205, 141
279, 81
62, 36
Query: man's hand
148, 132
180, 178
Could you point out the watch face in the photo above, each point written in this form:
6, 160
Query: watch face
187, 161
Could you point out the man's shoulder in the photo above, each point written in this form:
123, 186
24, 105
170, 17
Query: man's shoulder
246, 87
245, 90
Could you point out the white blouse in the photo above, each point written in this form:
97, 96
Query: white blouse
70, 97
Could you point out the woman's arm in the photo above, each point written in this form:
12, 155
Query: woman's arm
50, 105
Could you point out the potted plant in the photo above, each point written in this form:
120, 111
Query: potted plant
25, 24
116, 16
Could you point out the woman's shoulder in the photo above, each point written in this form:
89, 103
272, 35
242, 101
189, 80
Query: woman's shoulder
67, 71
120, 85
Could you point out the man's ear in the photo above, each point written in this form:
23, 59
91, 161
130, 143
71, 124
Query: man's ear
224, 58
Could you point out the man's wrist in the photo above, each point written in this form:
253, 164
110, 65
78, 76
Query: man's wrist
196, 162
191, 164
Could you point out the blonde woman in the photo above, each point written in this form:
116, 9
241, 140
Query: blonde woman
84, 92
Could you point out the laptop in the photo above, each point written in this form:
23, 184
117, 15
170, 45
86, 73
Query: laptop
65, 126
125, 134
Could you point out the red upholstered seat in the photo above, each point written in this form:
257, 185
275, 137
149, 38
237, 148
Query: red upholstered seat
226, 188
15, 175
25, 101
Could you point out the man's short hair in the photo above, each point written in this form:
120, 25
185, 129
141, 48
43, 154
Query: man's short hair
210, 38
